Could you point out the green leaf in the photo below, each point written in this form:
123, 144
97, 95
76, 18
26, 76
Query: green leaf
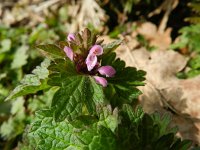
5, 45
122, 87
52, 50
183, 145
15, 124
33, 82
84, 133
189, 38
20, 57
194, 63
76, 91
164, 141
149, 132
94, 96
108, 118
108, 48
163, 122
133, 116
67, 101
192, 73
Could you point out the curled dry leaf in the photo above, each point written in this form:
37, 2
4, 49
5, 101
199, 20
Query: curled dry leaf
161, 40
164, 92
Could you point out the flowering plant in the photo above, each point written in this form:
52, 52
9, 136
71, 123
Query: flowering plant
94, 106
90, 64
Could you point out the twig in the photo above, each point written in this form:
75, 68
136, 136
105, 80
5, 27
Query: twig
44, 5
170, 6
167, 6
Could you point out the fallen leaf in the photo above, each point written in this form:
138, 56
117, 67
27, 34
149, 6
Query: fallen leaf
164, 92
160, 40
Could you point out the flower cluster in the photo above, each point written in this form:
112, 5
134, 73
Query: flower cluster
90, 65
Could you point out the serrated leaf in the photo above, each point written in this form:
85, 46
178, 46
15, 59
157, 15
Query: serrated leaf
84, 133
163, 123
147, 134
123, 84
94, 95
20, 57
108, 48
189, 38
67, 101
183, 145
15, 124
52, 50
5, 45
33, 82
164, 141
133, 116
73, 96
76, 91
108, 118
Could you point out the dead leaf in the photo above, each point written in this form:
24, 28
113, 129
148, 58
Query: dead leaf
161, 40
164, 92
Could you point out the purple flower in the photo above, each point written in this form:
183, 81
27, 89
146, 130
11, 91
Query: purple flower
90, 65
91, 61
71, 37
108, 71
101, 80
68, 51
96, 50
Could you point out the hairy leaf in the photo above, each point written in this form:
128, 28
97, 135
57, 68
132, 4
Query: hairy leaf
108, 48
52, 50
122, 87
108, 118
84, 133
149, 134
76, 91
20, 57
130, 114
33, 82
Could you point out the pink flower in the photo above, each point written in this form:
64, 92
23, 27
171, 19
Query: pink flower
91, 61
90, 65
101, 80
68, 51
71, 37
96, 50
108, 71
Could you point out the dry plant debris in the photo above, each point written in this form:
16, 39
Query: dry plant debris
32, 12
163, 91
82, 15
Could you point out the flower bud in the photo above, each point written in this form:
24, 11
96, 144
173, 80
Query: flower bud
68, 51
71, 37
101, 81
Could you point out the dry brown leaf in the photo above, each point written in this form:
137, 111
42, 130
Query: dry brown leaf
161, 40
164, 92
